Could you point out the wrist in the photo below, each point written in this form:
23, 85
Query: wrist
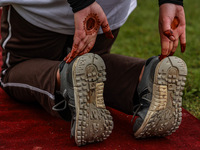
177, 2
79, 4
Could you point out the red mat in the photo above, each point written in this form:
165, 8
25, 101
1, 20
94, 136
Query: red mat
25, 126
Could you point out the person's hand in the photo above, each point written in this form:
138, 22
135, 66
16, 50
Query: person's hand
171, 32
87, 24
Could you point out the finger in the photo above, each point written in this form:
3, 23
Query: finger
169, 35
165, 24
106, 29
171, 45
175, 45
183, 47
174, 25
68, 56
83, 51
170, 48
87, 49
81, 47
82, 41
65, 59
183, 42
72, 54
75, 45
162, 57
171, 54
165, 46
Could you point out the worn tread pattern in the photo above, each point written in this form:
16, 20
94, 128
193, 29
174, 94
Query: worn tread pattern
165, 113
93, 121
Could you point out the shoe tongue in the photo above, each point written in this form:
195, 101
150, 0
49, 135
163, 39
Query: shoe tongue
146, 84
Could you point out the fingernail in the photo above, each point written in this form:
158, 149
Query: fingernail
172, 38
168, 33
183, 47
68, 61
109, 35
171, 54
162, 56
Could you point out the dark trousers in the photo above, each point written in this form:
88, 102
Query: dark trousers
31, 57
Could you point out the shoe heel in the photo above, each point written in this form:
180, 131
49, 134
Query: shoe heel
165, 113
93, 122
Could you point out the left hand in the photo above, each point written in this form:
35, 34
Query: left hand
170, 34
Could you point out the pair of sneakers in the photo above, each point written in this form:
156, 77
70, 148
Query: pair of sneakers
160, 97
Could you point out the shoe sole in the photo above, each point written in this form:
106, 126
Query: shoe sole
165, 113
93, 121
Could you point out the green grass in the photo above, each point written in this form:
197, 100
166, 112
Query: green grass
139, 37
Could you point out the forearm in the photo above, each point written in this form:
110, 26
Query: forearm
25, 2
177, 2
3, 3
79, 4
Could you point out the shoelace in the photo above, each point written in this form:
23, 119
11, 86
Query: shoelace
72, 108
58, 104
138, 106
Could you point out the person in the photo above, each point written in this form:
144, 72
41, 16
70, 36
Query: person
57, 52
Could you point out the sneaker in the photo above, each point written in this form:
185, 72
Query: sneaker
82, 86
160, 95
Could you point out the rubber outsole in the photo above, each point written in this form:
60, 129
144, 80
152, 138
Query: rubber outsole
165, 113
93, 121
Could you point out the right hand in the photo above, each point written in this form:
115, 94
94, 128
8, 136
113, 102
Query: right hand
87, 24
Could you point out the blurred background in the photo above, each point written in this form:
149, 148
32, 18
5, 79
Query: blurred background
139, 37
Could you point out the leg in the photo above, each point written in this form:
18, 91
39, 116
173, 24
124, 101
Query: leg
122, 75
51, 47
160, 95
82, 87
122, 79
33, 80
